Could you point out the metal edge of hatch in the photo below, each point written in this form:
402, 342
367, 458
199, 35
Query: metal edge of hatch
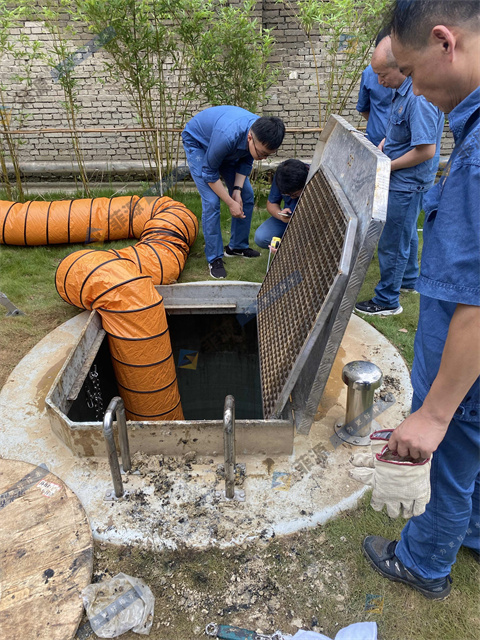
307, 276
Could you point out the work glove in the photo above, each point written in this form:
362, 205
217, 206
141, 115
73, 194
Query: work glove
400, 483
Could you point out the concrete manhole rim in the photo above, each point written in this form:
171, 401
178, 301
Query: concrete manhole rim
27, 436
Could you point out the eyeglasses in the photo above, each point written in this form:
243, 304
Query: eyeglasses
262, 154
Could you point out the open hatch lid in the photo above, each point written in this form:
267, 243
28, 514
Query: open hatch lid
308, 294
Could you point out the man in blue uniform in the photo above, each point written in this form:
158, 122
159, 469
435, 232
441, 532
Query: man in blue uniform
375, 100
223, 142
412, 142
374, 103
287, 185
437, 43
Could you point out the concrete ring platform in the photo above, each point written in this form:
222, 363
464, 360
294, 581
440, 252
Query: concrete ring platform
173, 503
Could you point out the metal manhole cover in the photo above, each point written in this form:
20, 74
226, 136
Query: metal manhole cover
307, 275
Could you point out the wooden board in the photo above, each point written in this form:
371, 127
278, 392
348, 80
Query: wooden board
46, 554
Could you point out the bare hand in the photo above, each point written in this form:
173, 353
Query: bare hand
418, 436
236, 209
381, 145
285, 212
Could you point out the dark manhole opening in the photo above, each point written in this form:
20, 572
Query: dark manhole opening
215, 355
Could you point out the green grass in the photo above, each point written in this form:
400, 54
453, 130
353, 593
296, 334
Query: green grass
400, 330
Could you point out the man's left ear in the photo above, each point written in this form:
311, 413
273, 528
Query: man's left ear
442, 36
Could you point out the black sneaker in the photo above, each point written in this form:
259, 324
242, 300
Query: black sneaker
246, 253
217, 270
380, 553
369, 308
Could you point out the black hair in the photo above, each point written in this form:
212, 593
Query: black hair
291, 176
383, 33
412, 21
269, 130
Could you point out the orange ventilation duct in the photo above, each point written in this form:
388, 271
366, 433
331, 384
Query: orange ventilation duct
70, 221
134, 318
119, 284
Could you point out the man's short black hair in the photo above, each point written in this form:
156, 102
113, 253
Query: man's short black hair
291, 176
383, 33
413, 20
269, 130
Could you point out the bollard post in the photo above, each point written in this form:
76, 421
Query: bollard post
362, 379
229, 445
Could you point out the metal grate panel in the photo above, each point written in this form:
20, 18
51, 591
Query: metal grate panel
306, 276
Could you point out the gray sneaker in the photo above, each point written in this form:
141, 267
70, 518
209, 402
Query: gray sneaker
380, 553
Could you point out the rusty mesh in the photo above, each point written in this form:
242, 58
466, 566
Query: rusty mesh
297, 284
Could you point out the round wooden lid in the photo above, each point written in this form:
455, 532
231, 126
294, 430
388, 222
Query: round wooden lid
46, 554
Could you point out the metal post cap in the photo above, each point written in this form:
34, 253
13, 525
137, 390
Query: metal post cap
361, 374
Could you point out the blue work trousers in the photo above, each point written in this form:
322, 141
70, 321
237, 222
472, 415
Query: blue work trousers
430, 542
212, 232
271, 228
398, 247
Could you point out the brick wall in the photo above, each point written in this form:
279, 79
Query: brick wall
294, 98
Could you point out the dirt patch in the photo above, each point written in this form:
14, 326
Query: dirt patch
19, 334
249, 587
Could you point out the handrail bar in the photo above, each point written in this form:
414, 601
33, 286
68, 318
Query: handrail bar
229, 445
117, 408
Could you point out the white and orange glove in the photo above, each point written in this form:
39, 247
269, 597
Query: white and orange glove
400, 483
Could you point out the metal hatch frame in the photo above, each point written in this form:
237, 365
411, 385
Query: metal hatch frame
361, 180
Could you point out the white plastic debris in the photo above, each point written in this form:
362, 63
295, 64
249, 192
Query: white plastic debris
118, 605
357, 631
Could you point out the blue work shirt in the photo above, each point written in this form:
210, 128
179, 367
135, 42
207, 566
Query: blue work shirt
222, 132
375, 99
450, 270
413, 121
276, 197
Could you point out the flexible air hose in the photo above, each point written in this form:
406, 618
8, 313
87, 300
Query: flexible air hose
69, 221
120, 286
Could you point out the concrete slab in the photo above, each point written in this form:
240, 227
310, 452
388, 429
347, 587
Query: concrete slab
174, 502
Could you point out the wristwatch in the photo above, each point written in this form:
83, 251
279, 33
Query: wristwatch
237, 189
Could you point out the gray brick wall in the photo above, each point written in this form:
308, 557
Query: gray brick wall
294, 98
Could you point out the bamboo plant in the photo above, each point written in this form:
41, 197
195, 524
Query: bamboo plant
59, 55
350, 28
10, 18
